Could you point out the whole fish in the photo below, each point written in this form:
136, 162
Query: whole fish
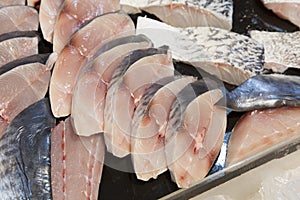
25, 154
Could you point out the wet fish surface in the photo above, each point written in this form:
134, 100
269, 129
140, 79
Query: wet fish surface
4, 3
25, 154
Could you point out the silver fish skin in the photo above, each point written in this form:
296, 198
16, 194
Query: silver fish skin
25, 154
264, 91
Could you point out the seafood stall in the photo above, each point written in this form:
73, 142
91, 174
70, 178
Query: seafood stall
138, 99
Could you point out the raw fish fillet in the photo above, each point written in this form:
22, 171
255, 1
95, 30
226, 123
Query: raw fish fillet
186, 13
149, 125
194, 133
25, 154
125, 91
282, 50
74, 14
231, 57
259, 130
83, 45
21, 87
88, 99
48, 12
18, 18
76, 163
286, 9
4, 3
34, 3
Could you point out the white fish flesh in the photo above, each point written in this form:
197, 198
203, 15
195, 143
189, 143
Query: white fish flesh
194, 133
149, 125
125, 91
186, 13
83, 46
282, 50
259, 130
48, 12
18, 18
231, 57
286, 9
4, 3
76, 163
88, 99
74, 14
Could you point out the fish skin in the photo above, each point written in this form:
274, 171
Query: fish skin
4, 3
230, 56
25, 154
264, 91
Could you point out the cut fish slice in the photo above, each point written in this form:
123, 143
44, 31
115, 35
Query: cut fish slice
74, 14
282, 50
83, 46
18, 18
4, 3
49, 10
286, 9
182, 13
76, 163
231, 57
259, 130
125, 91
88, 99
149, 125
194, 133
25, 154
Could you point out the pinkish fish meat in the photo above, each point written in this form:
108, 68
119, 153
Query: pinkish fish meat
258, 130
186, 13
48, 12
231, 57
83, 46
88, 99
289, 10
74, 14
125, 91
34, 3
149, 125
194, 133
18, 18
4, 3
76, 163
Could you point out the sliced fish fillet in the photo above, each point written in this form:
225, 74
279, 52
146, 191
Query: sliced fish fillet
194, 134
282, 50
258, 130
48, 13
286, 9
4, 3
231, 57
83, 46
149, 125
182, 13
18, 18
88, 99
76, 163
125, 91
74, 14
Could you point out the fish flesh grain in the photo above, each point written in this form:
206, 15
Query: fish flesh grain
18, 47
18, 18
74, 14
4, 3
82, 47
48, 12
125, 91
286, 9
264, 91
91, 86
281, 49
186, 13
230, 56
195, 133
76, 163
21, 87
25, 154
149, 125
258, 130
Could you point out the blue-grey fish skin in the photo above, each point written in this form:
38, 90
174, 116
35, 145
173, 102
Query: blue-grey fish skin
264, 91
25, 154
